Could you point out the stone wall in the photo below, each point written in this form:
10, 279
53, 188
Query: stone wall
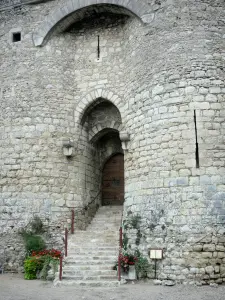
156, 73
178, 202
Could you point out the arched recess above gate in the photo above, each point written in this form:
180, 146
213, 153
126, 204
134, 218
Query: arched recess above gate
94, 98
98, 131
90, 110
73, 10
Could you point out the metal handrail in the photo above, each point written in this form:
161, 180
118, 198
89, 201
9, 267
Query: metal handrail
84, 208
120, 252
72, 221
66, 242
60, 267
62, 256
92, 201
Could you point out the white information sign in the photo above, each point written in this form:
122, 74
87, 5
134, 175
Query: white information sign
156, 253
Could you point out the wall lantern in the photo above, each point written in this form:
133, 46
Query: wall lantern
68, 148
125, 138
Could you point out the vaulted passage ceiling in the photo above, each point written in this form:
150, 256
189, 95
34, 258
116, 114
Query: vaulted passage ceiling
75, 10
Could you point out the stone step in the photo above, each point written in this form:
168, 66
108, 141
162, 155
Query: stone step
91, 260
94, 265
107, 220
93, 236
89, 283
95, 248
92, 257
103, 240
111, 207
79, 243
88, 232
75, 245
103, 231
110, 218
94, 272
110, 242
94, 252
88, 277
91, 264
73, 252
104, 224
97, 242
100, 227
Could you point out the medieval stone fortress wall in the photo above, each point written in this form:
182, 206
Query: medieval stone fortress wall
149, 74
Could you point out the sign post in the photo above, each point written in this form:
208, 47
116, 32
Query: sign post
156, 254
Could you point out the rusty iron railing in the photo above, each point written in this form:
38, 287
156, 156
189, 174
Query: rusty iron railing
72, 221
66, 242
66, 253
120, 252
120, 248
60, 267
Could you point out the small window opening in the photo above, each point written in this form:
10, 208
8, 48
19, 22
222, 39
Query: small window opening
16, 37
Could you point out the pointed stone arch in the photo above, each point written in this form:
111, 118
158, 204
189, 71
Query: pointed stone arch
92, 99
68, 13
98, 131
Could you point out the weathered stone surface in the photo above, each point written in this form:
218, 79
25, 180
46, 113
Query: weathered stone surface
147, 82
209, 269
209, 247
157, 282
168, 282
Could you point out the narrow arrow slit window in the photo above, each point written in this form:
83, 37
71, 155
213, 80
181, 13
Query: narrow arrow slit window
98, 48
196, 142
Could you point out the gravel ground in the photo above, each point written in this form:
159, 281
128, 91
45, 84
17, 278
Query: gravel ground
14, 287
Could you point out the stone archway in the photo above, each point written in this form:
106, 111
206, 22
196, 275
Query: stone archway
71, 11
101, 121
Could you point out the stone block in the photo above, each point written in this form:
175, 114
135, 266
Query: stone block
221, 255
209, 270
190, 90
197, 248
209, 247
220, 248
206, 254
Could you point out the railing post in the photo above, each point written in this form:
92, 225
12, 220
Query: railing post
119, 268
66, 241
60, 267
121, 237
120, 249
72, 222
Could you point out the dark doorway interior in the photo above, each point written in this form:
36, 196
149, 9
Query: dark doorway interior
113, 181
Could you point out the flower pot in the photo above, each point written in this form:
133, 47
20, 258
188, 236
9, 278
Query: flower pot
130, 275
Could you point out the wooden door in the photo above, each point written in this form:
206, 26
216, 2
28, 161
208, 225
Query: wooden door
113, 181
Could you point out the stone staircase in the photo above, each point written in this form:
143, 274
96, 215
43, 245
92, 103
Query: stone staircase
93, 253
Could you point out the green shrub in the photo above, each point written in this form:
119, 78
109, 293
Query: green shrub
142, 267
33, 242
37, 226
31, 267
34, 265
47, 262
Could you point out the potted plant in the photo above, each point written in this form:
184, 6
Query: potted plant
127, 262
